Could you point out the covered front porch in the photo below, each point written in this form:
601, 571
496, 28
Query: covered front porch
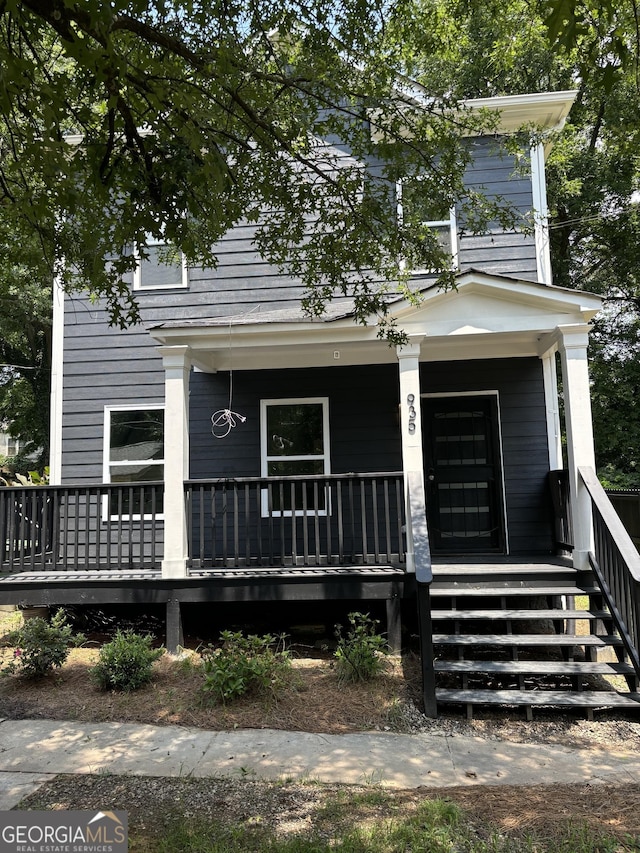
468, 407
465, 606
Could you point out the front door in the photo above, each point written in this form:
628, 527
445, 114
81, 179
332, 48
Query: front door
463, 474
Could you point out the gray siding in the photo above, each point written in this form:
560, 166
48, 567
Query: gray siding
363, 416
364, 429
106, 366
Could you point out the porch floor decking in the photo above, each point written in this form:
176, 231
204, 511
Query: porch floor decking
445, 570
86, 586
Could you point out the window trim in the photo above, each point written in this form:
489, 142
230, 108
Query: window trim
452, 222
153, 242
265, 457
107, 463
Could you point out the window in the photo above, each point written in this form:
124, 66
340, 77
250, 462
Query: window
413, 204
295, 441
9, 446
163, 269
134, 453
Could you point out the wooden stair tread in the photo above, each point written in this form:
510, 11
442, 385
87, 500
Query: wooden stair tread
460, 591
565, 698
515, 569
555, 615
525, 640
534, 667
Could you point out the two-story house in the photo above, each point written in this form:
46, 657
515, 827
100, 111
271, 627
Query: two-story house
230, 448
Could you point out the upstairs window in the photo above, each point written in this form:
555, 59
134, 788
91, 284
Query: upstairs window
295, 441
134, 453
439, 218
164, 268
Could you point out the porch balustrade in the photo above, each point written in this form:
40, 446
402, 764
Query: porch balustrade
72, 528
336, 520
616, 565
561, 503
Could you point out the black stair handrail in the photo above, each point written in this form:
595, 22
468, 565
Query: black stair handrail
616, 565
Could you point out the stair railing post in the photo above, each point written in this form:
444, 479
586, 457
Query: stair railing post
426, 650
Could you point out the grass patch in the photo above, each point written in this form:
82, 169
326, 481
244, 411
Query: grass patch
436, 826
211, 814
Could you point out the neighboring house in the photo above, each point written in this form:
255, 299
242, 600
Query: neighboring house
9, 446
268, 456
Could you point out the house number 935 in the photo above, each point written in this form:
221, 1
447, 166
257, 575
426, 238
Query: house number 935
412, 413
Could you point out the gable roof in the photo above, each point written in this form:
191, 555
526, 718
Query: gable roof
485, 316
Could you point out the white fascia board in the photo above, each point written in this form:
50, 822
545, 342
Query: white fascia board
467, 348
514, 291
259, 334
465, 327
547, 110
278, 345
486, 313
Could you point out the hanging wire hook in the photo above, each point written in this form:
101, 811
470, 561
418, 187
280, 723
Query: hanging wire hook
223, 421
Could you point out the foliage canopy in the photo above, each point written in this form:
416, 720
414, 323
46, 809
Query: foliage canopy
179, 118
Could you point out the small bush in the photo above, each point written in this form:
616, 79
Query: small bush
126, 662
243, 665
41, 646
359, 654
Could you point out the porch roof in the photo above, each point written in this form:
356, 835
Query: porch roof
485, 316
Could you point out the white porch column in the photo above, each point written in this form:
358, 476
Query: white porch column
177, 364
411, 432
554, 436
572, 341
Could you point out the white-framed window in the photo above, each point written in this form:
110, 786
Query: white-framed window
163, 269
9, 446
133, 453
294, 440
439, 218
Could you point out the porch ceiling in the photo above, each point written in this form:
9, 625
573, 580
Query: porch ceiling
486, 316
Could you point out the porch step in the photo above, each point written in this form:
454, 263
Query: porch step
482, 614
509, 589
521, 615
538, 698
537, 573
525, 640
533, 667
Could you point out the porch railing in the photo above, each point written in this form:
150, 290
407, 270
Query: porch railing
334, 520
626, 503
561, 503
616, 565
72, 528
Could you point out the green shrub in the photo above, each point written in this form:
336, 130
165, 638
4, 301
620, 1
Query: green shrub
360, 654
41, 645
126, 662
242, 665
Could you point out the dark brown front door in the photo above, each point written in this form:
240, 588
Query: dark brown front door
463, 475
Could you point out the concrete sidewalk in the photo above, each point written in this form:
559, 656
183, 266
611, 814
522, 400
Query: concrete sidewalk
32, 751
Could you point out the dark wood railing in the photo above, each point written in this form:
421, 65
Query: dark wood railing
561, 503
616, 565
626, 503
334, 520
70, 528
